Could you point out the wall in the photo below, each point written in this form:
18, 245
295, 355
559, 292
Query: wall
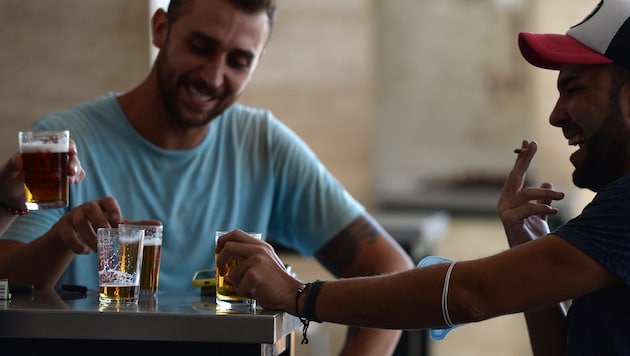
450, 102
57, 53
316, 75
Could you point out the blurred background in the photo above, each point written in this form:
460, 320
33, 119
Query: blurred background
414, 105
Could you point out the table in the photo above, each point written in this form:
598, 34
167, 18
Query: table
185, 323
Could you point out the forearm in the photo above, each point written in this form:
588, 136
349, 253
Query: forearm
394, 302
365, 341
546, 329
40, 262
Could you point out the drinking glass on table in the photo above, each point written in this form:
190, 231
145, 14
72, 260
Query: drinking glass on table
119, 261
45, 155
151, 255
227, 298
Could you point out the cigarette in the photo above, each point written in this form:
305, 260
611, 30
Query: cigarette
519, 150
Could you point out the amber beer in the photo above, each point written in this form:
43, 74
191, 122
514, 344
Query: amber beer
225, 289
45, 158
150, 274
151, 255
118, 292
226, 296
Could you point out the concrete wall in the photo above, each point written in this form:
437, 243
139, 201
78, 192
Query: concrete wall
56, 53
387, 93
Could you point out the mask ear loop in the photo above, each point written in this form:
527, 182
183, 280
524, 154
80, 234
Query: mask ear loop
440, 333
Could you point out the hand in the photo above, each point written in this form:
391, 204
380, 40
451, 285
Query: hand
261, 274
77, 228
524, 211
75, 171
12, 193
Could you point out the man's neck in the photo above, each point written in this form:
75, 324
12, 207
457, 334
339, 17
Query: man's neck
148, 116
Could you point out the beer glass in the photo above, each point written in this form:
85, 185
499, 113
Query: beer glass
119, 261
226, 297
151, 254
45, 157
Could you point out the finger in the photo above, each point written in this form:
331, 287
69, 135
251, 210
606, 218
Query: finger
72, 149
235, 236
101, 213
516, 177
69, 235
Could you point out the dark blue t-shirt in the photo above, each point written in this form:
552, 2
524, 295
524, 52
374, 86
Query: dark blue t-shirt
599, 323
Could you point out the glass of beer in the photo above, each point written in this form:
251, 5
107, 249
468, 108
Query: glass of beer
119, 261
45, 157
226, 297
152, 251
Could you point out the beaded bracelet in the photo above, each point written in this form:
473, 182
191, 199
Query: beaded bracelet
15, 211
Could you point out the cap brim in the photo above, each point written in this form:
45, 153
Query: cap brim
549, 51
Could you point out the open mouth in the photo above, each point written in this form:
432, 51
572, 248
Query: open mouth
199, 95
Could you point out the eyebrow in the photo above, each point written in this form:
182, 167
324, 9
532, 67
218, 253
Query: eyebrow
564, 82
199, 36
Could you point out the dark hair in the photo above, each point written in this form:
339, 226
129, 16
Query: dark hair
177, 7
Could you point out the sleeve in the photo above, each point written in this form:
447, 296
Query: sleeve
602, 230
311, 205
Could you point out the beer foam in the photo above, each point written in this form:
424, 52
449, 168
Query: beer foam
153, 242
35, 147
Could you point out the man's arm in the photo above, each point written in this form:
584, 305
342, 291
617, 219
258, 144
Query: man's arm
43, 261
364, 248
524, 213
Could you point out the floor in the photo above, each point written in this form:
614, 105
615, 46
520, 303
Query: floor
465, 238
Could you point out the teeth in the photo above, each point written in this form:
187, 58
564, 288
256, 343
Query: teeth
197, 94
576, 140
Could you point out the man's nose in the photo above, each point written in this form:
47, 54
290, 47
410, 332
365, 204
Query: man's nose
213, 72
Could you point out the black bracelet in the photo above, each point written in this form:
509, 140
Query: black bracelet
311, 298
305, 322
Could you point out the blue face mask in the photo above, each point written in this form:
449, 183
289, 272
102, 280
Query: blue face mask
437, 333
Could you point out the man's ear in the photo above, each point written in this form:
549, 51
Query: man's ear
159, 28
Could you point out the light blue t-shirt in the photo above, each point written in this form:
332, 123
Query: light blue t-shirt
250, 172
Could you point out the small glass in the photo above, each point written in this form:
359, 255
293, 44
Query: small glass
119, 261
227, 298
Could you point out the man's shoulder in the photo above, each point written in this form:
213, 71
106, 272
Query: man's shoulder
95, 109
93, 105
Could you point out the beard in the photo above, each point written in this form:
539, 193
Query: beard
606, 157
181, 114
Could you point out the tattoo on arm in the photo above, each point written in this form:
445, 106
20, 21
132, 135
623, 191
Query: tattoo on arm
341, 250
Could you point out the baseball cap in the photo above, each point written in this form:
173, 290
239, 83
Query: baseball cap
602, 37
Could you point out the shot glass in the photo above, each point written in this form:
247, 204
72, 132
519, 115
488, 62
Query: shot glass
227, 299
151, 255
45, 157
119, 261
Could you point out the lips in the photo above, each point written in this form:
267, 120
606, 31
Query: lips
577, 156
575, 140
198, 95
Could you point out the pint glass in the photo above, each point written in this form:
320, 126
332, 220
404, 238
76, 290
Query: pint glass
151, 255
45, 158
